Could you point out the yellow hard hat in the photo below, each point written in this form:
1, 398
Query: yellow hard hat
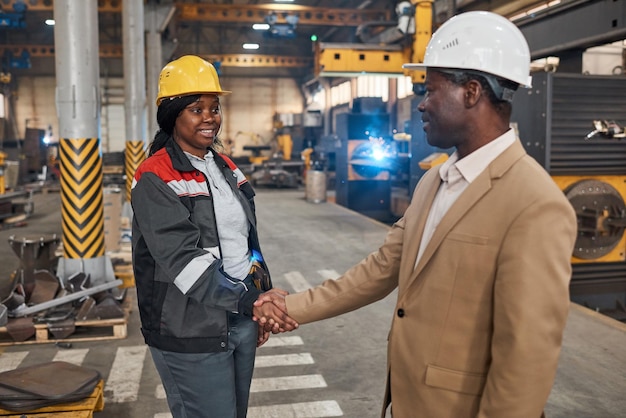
187, 75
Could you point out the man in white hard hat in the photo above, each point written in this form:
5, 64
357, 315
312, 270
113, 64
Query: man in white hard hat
481, 258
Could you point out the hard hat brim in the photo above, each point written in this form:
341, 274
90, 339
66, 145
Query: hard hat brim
217, 93
412, 66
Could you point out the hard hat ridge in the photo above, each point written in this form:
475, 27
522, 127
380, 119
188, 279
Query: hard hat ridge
479, 41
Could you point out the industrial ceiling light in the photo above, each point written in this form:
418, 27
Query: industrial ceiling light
261, 26
283, 1
250, 46
50, 22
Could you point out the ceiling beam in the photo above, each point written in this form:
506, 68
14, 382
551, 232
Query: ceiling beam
220, 13
43, 51
216, 13
226, 60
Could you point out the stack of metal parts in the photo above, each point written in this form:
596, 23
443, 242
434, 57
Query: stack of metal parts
37, 295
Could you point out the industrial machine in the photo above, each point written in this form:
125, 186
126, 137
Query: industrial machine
362, 159
554, 120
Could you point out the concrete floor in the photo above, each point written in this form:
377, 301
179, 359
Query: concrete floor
305, 243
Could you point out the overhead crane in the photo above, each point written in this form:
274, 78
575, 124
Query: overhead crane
216, 14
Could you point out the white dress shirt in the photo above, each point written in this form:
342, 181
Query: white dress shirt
456, 175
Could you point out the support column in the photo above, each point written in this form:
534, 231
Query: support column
78, 107
157, 19
134, 89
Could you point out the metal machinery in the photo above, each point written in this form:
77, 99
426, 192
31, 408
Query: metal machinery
362, 159
554, 120
279, 169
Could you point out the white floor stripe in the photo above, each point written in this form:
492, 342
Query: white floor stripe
72, 356
328, 274
272, 384
159, 393
10, 361
283, 360
297, 410
163, 415
297, 281
123, 382
276, 341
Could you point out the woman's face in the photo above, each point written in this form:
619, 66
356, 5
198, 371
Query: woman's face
198, 124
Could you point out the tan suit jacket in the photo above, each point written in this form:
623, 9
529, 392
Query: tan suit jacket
478, 323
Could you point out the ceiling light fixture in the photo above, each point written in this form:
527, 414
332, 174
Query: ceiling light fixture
250, 46
50, 22
261, 26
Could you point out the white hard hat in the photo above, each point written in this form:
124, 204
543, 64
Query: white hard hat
479, 41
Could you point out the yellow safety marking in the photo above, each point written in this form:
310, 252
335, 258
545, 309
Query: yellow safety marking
134, 155
82, 207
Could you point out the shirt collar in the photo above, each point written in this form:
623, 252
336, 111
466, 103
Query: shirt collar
475, 163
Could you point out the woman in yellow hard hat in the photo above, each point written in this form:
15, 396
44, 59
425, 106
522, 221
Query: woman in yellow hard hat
195, 252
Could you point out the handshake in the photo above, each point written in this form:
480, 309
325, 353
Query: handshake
270, 311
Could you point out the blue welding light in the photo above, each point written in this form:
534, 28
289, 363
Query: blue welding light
378, 154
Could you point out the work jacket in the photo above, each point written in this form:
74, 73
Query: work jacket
184, 295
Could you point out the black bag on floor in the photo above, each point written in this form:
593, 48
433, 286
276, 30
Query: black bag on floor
45, 384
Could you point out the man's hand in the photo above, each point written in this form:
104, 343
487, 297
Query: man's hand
273, 316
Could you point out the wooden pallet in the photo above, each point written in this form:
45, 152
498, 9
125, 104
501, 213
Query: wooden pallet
87, 330
79, 409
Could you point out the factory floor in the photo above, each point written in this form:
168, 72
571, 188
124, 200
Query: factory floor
334, 367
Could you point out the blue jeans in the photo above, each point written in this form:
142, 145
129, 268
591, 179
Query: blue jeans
211, 385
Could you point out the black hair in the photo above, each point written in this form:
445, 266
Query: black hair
167, 113
502, 106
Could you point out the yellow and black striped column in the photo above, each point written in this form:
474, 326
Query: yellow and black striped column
81, 198
134, 154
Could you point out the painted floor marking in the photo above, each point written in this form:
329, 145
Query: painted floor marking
10, 361
297, 281
283, 360
73, 356
276, 341
125, 375
297, 410
159, 393
328, 274
272, 384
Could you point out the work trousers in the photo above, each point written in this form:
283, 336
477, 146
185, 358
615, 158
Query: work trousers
211, 385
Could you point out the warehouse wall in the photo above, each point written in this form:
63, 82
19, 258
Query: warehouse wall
247, 113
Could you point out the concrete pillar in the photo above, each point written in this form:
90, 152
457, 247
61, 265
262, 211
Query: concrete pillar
157, 19
78, 107
134, 88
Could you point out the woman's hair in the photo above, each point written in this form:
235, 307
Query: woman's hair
167, 113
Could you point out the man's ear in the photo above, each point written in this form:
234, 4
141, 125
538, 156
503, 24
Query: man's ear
473, 93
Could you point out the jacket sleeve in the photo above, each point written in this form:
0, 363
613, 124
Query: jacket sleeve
368, 281
171, 238
531, 304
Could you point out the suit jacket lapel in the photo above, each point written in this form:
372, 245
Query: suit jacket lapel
415, 219
466, 200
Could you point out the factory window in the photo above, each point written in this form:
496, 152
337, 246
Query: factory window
373, 86
340, 94
317, 99
405, 87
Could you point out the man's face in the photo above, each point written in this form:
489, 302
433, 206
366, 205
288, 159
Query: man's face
443, 111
